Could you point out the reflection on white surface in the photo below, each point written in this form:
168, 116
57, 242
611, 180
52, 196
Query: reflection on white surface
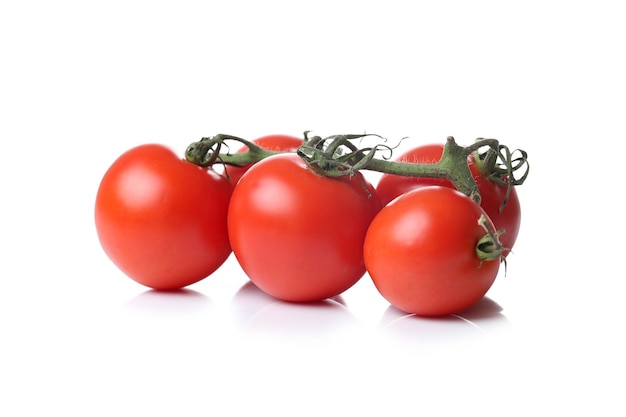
180, 302
257, 314
481, 320
260, 314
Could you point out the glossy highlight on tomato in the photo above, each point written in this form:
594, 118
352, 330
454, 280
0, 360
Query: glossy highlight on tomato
298, 235
420, 252
492, 194
161, 219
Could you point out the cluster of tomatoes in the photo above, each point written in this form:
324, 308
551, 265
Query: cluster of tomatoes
301, 236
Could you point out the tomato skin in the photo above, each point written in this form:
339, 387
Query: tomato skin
277, 143
297, 235
161, 219
492, 194
420, 252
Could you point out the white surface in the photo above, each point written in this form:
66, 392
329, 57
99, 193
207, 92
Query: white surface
81, 82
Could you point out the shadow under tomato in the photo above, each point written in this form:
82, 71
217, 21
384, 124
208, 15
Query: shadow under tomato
177, 302
482, 319
258, 313
484, 310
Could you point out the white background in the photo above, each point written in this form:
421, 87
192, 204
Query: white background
81, 82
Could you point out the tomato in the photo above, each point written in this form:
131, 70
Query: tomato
390, 186
277, 143
296, 234
420, 252
161, 219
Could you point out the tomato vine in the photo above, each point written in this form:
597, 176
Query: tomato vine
338, 155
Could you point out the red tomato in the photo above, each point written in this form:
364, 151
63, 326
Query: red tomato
390, 186
420, 252
297, 235
161, 219
277, 143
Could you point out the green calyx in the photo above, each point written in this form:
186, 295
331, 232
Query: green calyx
489, 248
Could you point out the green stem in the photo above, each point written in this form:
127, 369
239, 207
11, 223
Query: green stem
337, 156
453, 164
206, 152
504, 167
